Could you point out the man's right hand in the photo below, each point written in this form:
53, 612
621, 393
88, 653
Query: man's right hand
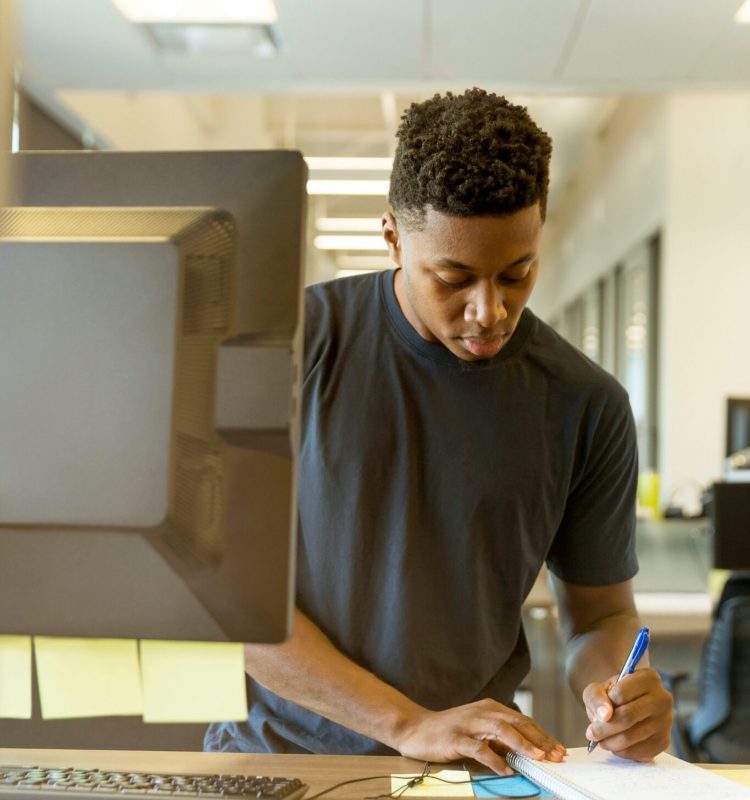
478, 731
310, 671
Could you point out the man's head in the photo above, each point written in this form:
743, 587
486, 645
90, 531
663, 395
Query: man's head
468, 192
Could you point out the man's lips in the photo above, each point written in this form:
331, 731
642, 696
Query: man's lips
484, 346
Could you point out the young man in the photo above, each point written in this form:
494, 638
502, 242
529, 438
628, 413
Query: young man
452, 443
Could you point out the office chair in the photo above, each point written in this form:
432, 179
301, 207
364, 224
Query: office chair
719, 730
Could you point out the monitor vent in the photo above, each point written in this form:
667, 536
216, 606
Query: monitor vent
206, 294
197, 499
100, 224
199, 506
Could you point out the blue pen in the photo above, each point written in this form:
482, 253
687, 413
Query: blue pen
631, 662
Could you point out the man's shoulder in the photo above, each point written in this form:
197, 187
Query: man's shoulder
569, 367
339, 311
342, 293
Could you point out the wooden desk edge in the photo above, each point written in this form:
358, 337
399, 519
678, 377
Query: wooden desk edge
319, 772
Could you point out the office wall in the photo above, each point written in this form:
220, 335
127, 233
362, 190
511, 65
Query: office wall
679, 164
706, 278
616, 200
169, 121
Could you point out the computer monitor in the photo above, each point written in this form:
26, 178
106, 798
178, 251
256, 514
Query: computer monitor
730, 515
738, 424
150, 343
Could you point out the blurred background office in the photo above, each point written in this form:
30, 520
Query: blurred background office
646, 261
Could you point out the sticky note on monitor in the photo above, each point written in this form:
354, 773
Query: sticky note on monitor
87, 677
193, 681
15, 677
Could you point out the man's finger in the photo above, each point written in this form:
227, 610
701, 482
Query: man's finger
481, 751
597, 702
639, 683
541, 739
639, 743
506, 737
503, 727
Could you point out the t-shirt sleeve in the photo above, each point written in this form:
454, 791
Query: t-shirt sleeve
317, 327
595, 542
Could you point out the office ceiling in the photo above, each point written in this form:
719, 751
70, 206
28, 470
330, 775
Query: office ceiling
347, 68
569, 46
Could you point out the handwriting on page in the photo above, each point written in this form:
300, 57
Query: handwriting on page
666, 777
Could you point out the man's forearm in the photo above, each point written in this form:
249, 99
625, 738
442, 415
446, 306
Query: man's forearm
310, 671
600, 652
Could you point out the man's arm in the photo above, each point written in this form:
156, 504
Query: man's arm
310, 671
599, 624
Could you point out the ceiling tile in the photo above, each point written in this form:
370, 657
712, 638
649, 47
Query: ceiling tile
344, 41
502, 41
645, 44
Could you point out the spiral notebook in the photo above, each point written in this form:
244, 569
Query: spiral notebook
602, 776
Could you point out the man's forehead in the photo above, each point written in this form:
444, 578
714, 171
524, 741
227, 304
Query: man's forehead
449, 237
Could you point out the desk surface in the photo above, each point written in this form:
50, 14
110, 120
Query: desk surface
319, 772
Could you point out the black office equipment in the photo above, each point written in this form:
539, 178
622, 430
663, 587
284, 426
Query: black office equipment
738, 424
729, 509
35, 783
719, 730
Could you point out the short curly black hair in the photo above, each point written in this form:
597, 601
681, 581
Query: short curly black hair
473, 154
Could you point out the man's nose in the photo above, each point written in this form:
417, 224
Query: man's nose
487, 306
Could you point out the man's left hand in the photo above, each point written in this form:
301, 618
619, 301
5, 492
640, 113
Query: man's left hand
631, 718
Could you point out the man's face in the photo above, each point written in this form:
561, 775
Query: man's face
464, 281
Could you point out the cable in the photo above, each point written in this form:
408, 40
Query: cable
417, 779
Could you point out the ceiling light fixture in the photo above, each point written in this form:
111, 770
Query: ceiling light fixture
350, 243
349, 163
374, 188
350, 224
185, 12
743, 13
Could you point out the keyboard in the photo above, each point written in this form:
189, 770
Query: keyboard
37, 783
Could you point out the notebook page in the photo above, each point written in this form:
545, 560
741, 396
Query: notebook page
605, 776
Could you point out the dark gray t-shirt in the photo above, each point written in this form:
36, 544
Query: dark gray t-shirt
431, 492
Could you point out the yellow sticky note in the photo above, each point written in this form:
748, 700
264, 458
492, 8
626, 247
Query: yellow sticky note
716, 580
193, 681
15, 677
741, 776
446, 783
87, 677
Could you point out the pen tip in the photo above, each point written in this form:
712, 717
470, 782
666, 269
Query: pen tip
590, 747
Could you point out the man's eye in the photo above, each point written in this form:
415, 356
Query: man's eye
452, 282
514, 278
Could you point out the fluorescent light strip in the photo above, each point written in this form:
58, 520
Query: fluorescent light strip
374, 188
215, 12
743, 13
353, 224
349, 243
363, 262
350, 163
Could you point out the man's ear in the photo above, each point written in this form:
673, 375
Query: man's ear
392, 237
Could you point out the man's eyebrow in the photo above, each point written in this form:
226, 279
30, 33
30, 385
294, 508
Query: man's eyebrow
450, 263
